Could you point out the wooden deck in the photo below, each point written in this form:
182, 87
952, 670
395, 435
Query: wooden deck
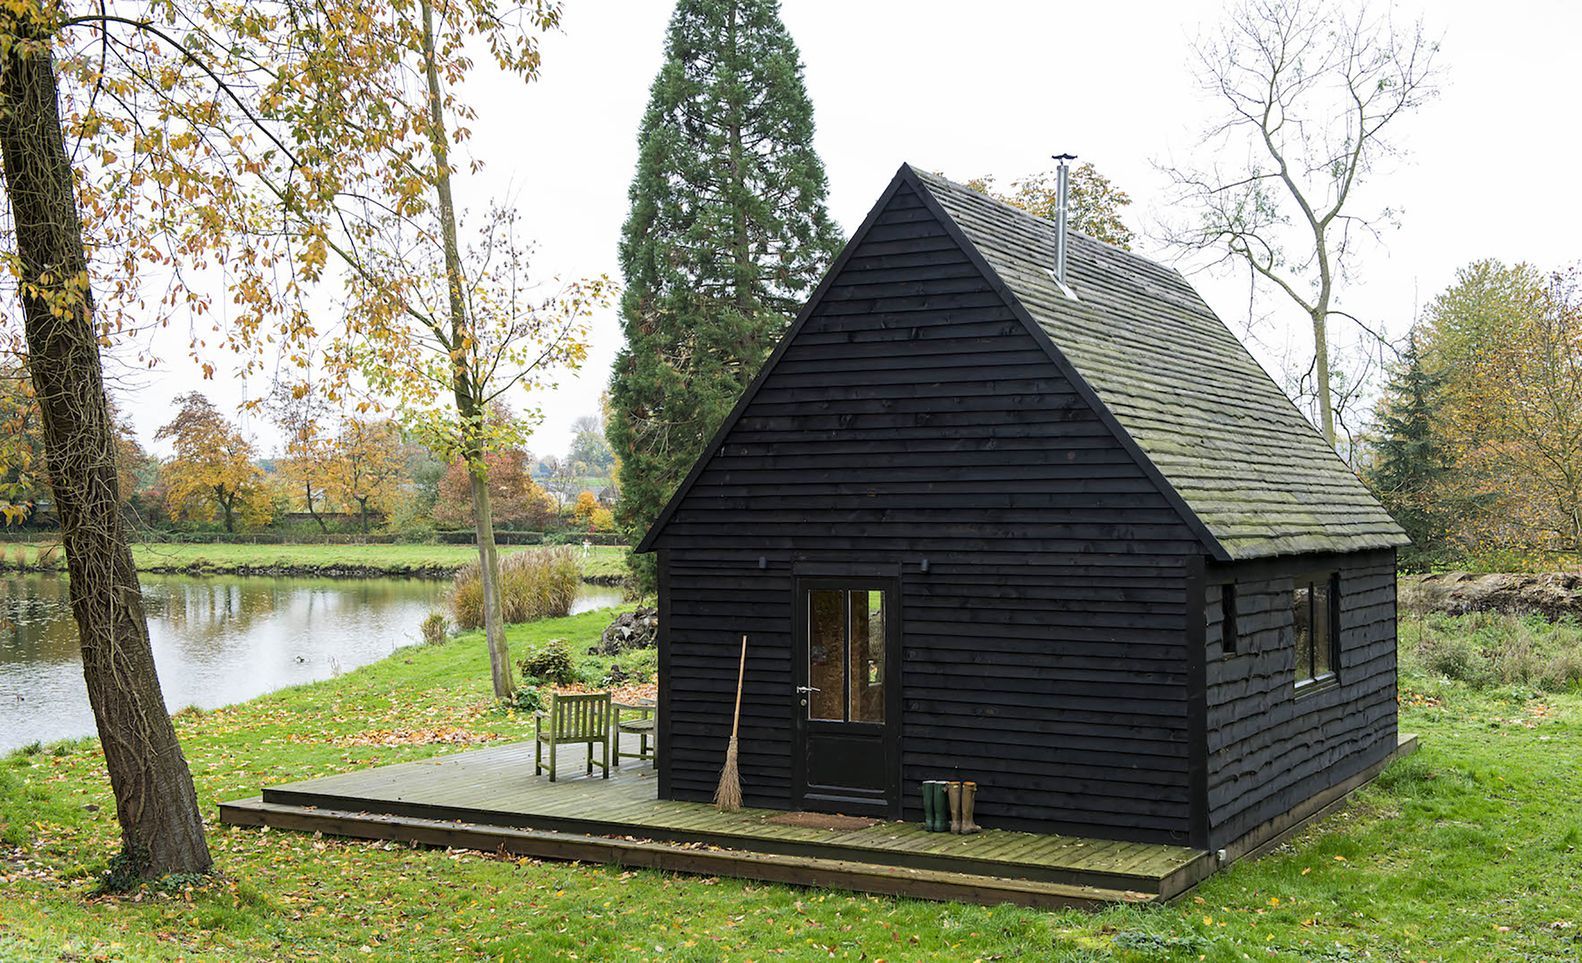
489, 799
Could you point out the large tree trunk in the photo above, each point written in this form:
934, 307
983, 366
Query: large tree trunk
161, 828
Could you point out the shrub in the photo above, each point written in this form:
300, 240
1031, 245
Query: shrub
528, 697
534, 584
126, 871
435, 628
552, 663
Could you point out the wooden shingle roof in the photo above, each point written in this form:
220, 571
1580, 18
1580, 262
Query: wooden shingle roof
1240, 456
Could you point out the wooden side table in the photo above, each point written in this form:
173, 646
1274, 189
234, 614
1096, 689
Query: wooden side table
638, 719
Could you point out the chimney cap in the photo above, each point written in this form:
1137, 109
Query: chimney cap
1063, 157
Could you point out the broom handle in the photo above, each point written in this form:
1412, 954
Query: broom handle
741, 675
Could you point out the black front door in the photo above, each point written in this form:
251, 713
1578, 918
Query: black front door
847, 671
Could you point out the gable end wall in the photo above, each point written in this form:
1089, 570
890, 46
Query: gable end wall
913, 417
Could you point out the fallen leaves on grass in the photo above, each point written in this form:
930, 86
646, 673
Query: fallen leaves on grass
626, 694
438, 735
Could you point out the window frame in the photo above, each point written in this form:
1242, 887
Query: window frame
1306, 680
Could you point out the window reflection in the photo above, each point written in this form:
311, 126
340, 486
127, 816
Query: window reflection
846, 655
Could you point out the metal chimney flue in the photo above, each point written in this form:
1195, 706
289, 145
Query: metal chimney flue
1062, 185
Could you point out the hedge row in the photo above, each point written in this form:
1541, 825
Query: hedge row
501, 537
269, 538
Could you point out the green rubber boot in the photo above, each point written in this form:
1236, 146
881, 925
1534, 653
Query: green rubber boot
928, 805
941, 820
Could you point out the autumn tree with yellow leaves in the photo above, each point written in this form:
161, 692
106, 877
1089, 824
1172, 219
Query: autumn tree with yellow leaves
367, 466
155, 152
1094, 205
1479, 436
1511, 407
213, 473
444, 318
306, 464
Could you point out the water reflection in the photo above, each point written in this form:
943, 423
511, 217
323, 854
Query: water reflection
216, 640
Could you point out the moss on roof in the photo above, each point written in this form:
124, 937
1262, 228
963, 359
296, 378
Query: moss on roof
1242, 458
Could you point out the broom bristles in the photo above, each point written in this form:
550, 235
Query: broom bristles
728, 797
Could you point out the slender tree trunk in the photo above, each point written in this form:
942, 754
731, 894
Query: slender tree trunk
468, 407
1326, 405
362, 509
489, 577
161, 827
308, 493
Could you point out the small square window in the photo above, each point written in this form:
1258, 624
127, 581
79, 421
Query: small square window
1227, 619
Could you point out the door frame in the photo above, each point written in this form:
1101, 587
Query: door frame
858, 579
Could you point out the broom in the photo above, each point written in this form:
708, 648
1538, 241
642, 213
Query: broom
728, 797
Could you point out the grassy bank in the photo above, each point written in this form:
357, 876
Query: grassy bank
432, 561
1494, 649
1469, 850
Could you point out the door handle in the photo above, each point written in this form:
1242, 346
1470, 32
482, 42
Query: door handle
808, 688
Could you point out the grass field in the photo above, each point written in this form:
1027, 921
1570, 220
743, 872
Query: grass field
603, 560
1469, 850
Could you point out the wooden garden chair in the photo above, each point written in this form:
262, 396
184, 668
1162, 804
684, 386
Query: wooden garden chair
639, 721
573, 719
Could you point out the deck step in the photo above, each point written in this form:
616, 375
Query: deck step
853, 875
701, 825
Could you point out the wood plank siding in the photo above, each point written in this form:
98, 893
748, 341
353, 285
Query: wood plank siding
1269, 749
913, 416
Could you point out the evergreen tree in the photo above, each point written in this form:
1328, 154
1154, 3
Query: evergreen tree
1410, 461
726, 236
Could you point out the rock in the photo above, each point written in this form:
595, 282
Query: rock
1550, 594
634, 630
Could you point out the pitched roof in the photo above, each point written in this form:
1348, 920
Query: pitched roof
1240, 456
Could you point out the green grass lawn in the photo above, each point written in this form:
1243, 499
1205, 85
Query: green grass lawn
1469, 850
603, 560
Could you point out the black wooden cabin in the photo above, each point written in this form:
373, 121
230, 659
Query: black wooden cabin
1070, 542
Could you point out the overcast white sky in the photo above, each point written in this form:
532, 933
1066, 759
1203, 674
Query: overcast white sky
996, 87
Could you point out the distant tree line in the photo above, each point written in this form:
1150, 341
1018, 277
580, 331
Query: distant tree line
343, 471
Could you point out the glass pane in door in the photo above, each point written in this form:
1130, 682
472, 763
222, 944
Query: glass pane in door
867, 656
826, 654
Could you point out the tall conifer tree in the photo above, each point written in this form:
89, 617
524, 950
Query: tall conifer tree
1410, 459
726, 236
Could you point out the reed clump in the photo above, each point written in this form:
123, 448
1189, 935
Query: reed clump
537, 583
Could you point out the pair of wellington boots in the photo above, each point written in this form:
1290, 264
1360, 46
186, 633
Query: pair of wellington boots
949, 805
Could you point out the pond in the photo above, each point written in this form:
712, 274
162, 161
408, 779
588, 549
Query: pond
217, 640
